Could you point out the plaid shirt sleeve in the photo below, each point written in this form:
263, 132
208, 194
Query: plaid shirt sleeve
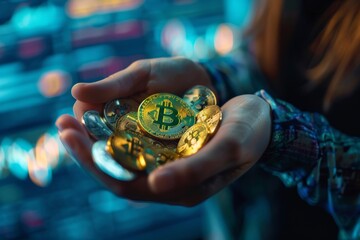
305, 151
324, 164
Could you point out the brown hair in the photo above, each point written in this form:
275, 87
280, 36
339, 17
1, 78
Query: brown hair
336, 49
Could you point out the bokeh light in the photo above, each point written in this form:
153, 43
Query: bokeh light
40, 171
84, 8
201, 50
2, 161
17, 158
21, 159
175, 37
28, 20
54, 83
222, 38
47, 151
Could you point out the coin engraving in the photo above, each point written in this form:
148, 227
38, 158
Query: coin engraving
165, 116
199, 97
193, 140
117, 108
127, 149
95, 125
211, 116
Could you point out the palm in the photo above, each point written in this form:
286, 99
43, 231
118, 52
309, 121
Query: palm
238, 144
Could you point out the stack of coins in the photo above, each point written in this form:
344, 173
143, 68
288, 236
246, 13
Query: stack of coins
135, 138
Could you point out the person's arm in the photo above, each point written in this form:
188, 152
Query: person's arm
235, 74
324, 164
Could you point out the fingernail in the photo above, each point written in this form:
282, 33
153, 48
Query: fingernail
162, 181
59, 127
68, 149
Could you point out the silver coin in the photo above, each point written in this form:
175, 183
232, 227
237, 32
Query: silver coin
104, 161
117, 108
199, 97
95, 125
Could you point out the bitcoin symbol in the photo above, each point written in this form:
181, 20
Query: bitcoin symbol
134, 147
167, 117
192, 138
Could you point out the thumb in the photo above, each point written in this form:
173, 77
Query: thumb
122, 84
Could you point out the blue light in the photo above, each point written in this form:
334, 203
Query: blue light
17, 160
30, 21
238, 12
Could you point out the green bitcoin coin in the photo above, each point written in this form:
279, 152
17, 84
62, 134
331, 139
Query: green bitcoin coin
165, 116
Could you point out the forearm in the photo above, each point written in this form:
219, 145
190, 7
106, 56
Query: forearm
305, 151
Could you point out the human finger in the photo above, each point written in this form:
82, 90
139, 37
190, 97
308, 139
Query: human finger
79, 148
123, 84
68, 122
236, 143
80, 108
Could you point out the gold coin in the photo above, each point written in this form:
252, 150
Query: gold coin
199, 97
165, 156
156, 157
165, 116
193, 140
117, 108
127, 149
129, 123
211, 116
171, 145
150, 142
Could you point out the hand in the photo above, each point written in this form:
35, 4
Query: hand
238, 144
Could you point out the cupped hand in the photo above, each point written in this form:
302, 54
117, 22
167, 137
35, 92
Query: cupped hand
239, 142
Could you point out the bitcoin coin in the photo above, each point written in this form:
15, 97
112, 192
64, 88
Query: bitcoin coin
156, 157
127, 149
199, 97
193, 140
165, 156
108, 165
172, 145
152, 142
165, 116
95, 125
211, 116
150, 154
128, 122
117, 108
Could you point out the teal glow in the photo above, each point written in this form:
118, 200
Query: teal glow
43, 19
17, 160
238, 12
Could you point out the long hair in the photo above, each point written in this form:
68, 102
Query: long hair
335, 50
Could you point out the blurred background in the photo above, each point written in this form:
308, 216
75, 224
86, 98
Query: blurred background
47, 46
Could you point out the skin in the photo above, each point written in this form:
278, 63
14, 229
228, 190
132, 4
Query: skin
239, 143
